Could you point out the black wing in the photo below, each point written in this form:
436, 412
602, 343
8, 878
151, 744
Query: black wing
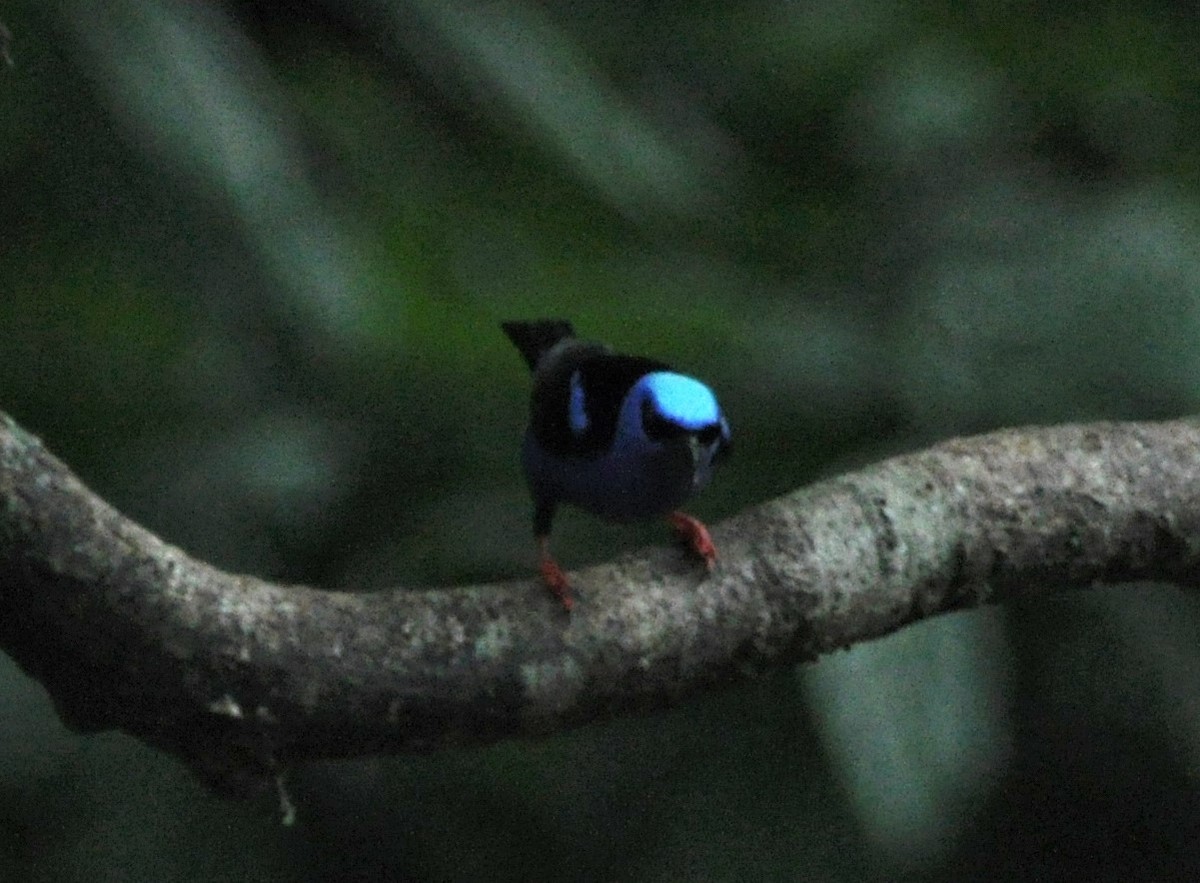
605, 379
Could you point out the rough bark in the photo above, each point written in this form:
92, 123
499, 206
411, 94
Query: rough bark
240, 678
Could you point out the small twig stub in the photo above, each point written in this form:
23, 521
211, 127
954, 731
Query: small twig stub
6, 45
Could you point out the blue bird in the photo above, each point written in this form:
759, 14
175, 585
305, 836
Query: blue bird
623, 437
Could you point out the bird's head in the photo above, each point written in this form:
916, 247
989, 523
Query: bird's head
677, 411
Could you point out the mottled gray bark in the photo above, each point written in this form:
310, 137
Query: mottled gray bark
239, 677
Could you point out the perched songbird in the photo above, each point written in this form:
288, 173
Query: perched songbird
621, 436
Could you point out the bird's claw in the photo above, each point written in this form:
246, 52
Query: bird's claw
556, 581
697, 537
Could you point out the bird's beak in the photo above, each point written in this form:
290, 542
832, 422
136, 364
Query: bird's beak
697, 452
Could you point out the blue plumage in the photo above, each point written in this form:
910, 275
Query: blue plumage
683, 399
577, 415
621, 436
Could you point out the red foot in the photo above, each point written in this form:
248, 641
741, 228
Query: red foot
555, 580
696, 536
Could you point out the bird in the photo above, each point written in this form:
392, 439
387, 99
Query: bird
623, 437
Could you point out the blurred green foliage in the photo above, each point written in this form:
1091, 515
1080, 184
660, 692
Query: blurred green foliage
254, 257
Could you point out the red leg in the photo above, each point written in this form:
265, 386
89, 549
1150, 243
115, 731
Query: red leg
553, 576
695, 534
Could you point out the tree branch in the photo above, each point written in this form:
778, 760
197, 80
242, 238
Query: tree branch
239, 677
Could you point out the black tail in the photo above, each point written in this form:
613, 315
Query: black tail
534, 338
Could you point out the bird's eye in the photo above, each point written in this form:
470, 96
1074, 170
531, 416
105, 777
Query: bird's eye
656, 426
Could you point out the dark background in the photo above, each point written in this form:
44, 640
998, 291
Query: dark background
252, 261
